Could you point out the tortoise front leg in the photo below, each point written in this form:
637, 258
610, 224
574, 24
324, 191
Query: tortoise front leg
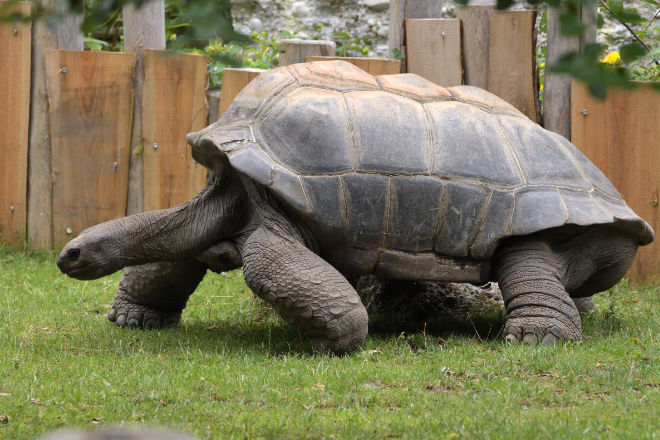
153, 295
305, 290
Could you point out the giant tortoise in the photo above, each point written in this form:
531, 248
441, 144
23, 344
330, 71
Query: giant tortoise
321, 172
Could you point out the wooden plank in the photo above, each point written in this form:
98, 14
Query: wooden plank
144, 28
375, 66
620, 135
294, 50
63, 35
557, 87
475, 36
14, 121
91, 103
233, 81
213, 99
512, 73
434, 50
173, 105
401, 10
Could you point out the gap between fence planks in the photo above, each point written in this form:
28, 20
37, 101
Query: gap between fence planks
620, 136
174, 104
14, 122
434, 50
374, 66
512, 71
91, 103
233, 81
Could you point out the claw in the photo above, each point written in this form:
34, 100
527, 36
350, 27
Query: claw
133, 323
151, 324
112, 315
530, 338
511, 339
121, 320
550, 340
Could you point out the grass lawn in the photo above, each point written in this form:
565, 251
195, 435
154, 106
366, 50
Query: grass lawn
234, 370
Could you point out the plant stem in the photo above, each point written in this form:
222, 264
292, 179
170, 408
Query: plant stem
616, 17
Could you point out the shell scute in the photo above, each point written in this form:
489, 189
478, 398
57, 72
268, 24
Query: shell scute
414, 212
468, 143
336, 75
326, 148
542, 159
414, 87
462, 220
381, 149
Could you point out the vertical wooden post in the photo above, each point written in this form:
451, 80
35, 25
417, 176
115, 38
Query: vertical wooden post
475, 33
144, 27
400, 10
296, 51
14, 120
434, 50
557, 88
40, 192
512, 73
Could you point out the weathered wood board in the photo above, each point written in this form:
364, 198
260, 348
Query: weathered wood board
233, 81
434, 50
173, 105
91, 103
15, 44
375, 66
296, 51
621, 136
401, 10
475, 36
512, 71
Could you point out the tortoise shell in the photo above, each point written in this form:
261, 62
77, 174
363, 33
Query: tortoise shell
398, 163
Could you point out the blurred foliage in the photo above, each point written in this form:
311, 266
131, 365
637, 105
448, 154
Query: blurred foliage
348, 45
639, 47
205, 26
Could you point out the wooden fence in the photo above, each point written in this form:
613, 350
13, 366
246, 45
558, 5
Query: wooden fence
112, 140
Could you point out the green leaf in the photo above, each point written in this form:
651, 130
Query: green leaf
570, 24
543, 24
601, 21
504, 4
631, 51
616, 6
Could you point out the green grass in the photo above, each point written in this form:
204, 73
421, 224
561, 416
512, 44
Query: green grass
234, 370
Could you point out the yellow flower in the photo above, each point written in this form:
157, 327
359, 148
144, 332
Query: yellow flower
541, 88
611, 58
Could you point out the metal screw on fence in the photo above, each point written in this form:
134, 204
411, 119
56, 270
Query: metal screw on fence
11, 209
14, 32
69, 231
155, 145
64, 70
585, 112
115, 165
442, 34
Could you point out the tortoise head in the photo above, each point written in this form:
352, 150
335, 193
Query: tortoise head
216, 214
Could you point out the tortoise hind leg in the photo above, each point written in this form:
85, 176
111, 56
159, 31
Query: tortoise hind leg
538, 278
153, 295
